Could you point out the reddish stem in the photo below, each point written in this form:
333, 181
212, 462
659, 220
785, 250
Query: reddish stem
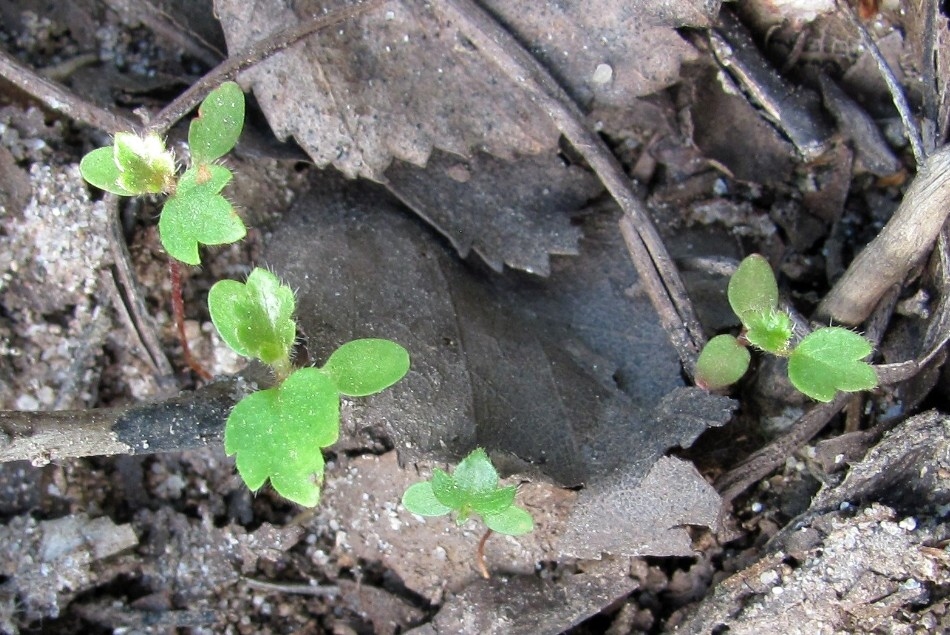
178, 310
480, 555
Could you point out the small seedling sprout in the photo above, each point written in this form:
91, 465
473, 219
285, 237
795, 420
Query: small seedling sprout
827, 360
279, 433
195, 211
472, 489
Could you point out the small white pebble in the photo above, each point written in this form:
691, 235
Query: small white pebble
27, 402
757, 507
769, 578
890, 528
603, 74
908, 524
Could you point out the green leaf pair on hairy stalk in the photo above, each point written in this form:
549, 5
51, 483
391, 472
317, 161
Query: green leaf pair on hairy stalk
195, 211
279, 433
827, 360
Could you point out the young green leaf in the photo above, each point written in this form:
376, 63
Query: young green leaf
145, 166
828, 360
215, 131
99, 169
495, 501
446, 490
197, 213
514, 521
256, 318
367, 366
722, 362
770, 332
277, 434
753, 290
475, 474
420, 499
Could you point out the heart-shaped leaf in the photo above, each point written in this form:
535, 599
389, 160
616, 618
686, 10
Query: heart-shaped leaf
514, 521
99, 169
215, 131
722, 362
277, 434
828, 360
198, 214
256, 318
366, 366
145, 166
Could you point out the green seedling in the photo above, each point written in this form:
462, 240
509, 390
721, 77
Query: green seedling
279, 433
827, 360
195, 211
471, 489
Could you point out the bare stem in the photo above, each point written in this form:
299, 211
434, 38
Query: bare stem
480, 555
178, 310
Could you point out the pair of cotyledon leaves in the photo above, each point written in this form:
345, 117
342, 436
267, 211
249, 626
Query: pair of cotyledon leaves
471, 489
278, 433
195, 212
824, 362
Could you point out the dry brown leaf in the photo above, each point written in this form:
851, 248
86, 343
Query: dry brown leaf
511, 213
393, 83
400, 80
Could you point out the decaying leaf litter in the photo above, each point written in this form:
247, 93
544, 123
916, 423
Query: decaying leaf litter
727, 165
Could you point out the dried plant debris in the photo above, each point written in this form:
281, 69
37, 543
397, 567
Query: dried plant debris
401, 81
628, 509
48, 563
748, 145
867, 572
905, 470
529, 605
604, 52
511, 213
391, 84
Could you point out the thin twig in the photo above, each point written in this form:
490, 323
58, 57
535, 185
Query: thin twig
480, 555
897, 93
261, 50
61, 99
501, 48
130, 300
192, 420
295, 589
766, 459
